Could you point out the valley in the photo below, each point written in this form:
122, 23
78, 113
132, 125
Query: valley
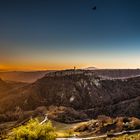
71, 97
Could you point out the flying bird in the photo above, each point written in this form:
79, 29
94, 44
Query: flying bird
94, 8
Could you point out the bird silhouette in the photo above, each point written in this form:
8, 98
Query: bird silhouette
94, 8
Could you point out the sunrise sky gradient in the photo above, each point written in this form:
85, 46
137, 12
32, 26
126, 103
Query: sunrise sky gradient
61, 34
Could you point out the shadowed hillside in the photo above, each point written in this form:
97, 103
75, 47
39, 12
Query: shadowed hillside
83, 91
7, 87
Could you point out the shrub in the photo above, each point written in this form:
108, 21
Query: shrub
33, 130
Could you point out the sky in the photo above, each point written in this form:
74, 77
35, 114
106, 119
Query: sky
61, 34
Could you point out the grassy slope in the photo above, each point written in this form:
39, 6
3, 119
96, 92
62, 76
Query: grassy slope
64, 130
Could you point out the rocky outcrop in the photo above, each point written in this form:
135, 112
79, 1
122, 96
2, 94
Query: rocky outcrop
107, 125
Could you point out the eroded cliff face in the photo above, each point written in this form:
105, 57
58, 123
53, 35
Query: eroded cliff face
94, 95
88, 93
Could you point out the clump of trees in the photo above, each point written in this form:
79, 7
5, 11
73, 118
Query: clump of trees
33, 130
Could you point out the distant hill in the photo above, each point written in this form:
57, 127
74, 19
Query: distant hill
22, 76
90, 68
84, 91
7, 87
114, 73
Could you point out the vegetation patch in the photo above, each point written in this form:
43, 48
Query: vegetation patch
107, 125
33, 130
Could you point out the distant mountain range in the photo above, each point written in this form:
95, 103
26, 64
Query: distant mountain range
32, 76
22, 76
90, 68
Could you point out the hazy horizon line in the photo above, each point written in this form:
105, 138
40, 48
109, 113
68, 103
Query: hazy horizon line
37, 70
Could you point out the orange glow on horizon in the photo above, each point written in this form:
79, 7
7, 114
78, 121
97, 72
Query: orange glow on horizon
37, 67
33, 67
